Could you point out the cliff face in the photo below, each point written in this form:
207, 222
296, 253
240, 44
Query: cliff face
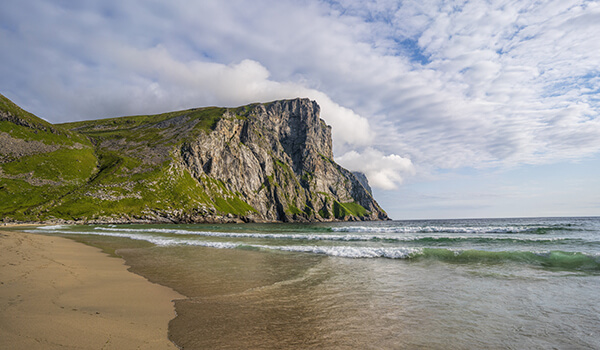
261, 162
278, 157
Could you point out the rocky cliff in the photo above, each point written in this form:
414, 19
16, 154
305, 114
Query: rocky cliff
261, 163
278, 158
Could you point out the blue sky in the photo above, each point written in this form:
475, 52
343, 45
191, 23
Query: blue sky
453, 109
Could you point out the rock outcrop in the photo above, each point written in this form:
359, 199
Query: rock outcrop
278, 158
362, 178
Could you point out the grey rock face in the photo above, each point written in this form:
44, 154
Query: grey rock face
277, 157
362, 178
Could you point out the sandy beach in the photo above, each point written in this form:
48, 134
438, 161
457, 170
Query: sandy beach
59, 294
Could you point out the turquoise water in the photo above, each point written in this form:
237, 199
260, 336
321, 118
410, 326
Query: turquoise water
441, 284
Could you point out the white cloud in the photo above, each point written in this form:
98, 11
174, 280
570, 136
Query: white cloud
384, 172
447, 84
99, 68
233, 85
500, 74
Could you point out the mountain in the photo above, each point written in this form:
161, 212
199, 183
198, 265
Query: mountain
257, 163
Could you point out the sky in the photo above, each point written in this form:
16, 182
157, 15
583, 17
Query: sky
453, 109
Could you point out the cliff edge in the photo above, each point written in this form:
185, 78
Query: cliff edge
278, 158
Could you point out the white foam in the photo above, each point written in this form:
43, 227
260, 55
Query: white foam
435, 229
333, 237
353, 252
51, 227
338, 251
157, 240
310, 237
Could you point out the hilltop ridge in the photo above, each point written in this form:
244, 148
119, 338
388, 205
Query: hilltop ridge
264, 162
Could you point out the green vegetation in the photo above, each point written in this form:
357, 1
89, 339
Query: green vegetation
244, 111
50, 138
341, 210
18, 197
152, 129
308, 211
110, 195
233, 205
24, 117
292, 209
63, 165
327, 159
52, 162
74, 180
271, 181
128, 183
161, 190
307, 177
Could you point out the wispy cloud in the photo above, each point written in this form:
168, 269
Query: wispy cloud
435, 84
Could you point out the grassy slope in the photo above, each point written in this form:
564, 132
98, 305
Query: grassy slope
130, 183
147, 128
73, 179
30, 182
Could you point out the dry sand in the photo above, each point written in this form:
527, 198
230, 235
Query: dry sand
59, 294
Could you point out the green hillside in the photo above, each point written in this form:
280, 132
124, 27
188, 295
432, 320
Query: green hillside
137, 176
110, 168
39, 163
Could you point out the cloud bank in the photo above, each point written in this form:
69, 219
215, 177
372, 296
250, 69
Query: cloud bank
384, 172
406, 85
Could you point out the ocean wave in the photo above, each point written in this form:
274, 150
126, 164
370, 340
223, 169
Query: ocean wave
334, 237
352, 252
384, 238
52, 227
453, 229
548, 259
554, 260
558, 260
154, 239
243, 234
545, 259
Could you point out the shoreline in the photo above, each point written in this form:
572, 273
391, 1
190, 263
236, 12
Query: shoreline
208, 219
57, 293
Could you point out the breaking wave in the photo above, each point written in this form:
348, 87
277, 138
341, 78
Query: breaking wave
453, 229
553, 259
336, 237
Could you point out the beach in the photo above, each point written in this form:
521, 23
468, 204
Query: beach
59, 294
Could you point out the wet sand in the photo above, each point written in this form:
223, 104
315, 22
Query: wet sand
59, 294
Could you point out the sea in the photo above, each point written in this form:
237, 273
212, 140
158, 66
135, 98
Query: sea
524, 283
